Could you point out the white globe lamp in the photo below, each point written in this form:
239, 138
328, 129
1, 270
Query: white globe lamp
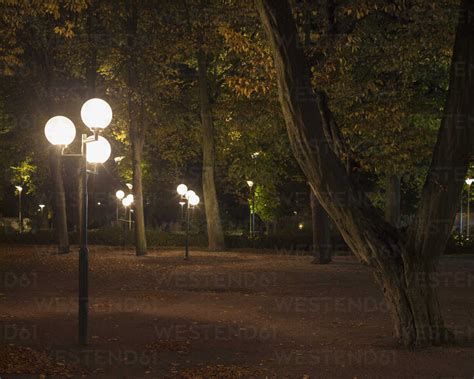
182, 189
98, 151
96, 113
60, 130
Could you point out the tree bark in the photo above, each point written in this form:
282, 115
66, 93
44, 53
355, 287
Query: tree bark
322, 246
136, 130
60, 219
392, 200
215, 233
402, 270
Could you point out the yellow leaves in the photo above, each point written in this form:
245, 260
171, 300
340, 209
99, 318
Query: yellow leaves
65, 30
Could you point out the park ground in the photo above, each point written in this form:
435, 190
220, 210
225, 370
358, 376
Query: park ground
217, 315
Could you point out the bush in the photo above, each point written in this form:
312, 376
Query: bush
116, 236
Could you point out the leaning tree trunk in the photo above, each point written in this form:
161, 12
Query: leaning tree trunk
392, 200
215, 234
401, 268
322, 246
136, 129
59, 201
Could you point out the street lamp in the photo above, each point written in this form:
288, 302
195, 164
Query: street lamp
19, 189
60, 131
252, 208
127, 203
190, 198
119, 195
469, 182
182, 209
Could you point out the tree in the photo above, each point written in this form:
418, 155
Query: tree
401, 266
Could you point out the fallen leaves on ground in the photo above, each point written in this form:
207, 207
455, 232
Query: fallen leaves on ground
25, 360
220, 372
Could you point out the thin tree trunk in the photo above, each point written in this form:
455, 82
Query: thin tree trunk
392, 200
60, 219
215, 233
136, 131
402, 270
322, 246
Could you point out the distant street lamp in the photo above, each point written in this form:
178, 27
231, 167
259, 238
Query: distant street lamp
119, 195
469, 182
19, 189
182, 209
252, 208
127, 203
60, 131
190, 198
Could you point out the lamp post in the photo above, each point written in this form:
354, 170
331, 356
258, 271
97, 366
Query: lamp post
19, 189
119, 195
60, 131
127, 203
252, 210
469, 182
191, 200
41, 207
182, 209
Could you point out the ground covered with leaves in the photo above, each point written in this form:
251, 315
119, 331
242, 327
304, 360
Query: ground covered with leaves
217, 315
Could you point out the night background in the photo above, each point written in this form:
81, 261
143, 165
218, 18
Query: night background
236, 189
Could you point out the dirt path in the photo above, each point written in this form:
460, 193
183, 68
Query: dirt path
222, 314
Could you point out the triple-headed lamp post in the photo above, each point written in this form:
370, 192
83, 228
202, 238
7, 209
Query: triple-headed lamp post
95, 149
190, 198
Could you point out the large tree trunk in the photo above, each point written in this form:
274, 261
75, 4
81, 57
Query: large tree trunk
392, 200
136, 130
399, 268
322, 246
60, 219
215, 234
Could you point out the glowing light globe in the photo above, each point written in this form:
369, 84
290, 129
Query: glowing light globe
126, 202
120, 194
130, 198
96, 113
98, 151
194, 200
60, 130
182, 189
190, 194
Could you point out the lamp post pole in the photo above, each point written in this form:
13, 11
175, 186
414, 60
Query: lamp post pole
251, 208
19, 189
84, 254
19, 211
469, 182
186, 249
